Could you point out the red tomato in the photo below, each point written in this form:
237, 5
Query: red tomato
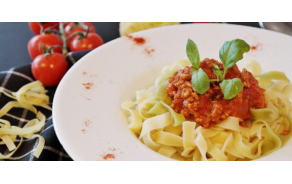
69, 30
36, 28
49, 69
86, 23
90, 41
34, 44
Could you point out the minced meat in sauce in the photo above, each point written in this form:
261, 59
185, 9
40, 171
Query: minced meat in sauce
211, 107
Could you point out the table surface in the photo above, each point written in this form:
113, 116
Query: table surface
15, 36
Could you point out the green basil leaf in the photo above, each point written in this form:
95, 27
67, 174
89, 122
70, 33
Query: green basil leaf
232, 51
230, 88
200, 81
217, 71
193, 54
215, 66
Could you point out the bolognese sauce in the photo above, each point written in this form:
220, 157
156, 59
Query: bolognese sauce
211, 107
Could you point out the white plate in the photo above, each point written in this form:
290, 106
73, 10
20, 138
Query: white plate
119, 68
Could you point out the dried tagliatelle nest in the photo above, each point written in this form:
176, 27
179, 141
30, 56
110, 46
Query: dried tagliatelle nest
27, 97
132, 27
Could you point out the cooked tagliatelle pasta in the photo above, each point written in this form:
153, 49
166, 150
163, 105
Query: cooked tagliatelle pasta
167, 132
27, 97
132, 27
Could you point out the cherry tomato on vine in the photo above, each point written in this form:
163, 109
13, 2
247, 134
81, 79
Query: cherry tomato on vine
89, 41
72, 27
35, 27
49, 68
35, 44
86, 23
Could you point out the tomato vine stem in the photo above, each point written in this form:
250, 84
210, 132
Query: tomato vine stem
63, 37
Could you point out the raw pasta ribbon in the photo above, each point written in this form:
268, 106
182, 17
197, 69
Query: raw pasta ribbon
27, 97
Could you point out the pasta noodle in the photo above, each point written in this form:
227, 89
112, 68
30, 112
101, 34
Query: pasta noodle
27, 97
163, 130
132, 27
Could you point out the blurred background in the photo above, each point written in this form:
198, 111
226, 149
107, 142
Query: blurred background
15, 36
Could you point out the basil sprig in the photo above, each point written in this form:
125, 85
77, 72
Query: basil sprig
200, 81
231, 87
230, 53
193, 54
217, 72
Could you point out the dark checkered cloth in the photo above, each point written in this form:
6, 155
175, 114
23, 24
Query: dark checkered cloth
14, 79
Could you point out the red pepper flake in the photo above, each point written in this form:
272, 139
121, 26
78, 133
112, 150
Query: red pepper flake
149, 51
285, 132
112, 149
84, 73
137, 40
87, 85
255, 47
87, 122
108, 156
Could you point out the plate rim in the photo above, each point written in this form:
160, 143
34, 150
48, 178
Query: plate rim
62, 83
